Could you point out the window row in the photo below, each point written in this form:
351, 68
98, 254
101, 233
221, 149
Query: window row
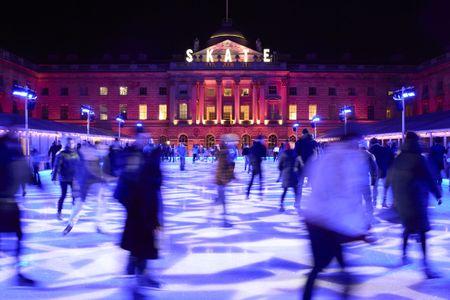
103, 91
312, 91
210, 112
272, 90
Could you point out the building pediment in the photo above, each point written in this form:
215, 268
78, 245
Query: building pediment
228, 51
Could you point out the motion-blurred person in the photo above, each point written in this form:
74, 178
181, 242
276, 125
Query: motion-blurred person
35, 162
383, 157
306, 148
436, 159
289, 166
138, 190
194, 153
276, 150
13, 172
91, 173
246, 154
53, 150
373, 175
411, 182
181, 150
225, 170
334, 213
257, 152
67, 171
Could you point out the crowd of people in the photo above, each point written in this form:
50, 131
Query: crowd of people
344, 178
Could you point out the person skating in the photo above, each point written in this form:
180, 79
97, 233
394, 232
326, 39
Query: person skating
67, 171
257, 152
411, 182
13, 172
138, 190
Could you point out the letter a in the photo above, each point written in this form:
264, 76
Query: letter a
227, 55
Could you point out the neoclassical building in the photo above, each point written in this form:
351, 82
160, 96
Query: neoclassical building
226, 85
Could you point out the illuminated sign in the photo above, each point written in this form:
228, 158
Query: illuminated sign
213, 55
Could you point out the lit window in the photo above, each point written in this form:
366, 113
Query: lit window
123, 90
245, 112
227, 112
210, 92
142, 111
210, 113
103, 91
183, 111
312, 111
227, 92
245, 92
103, 112
163, 112
388, 113
293, 112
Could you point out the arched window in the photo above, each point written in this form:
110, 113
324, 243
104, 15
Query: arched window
246, 140
183, 139
163, 139
210, 141
272, 141
292, 138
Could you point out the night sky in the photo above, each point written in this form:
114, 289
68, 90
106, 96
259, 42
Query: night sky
338, 31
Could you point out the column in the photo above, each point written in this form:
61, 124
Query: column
172, 101
219, 101
254, 101
262, 101
201, 100
193, 102
237, 101
284, 105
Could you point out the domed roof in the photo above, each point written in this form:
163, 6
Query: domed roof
227, 32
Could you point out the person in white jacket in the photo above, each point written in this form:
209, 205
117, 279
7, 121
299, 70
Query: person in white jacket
334, 212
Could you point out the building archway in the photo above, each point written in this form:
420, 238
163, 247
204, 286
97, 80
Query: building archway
210, 141
183, 139
272, 141
292, 138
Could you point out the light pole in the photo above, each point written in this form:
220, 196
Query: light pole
139, 127
314, 121
28, 94
89, 111
295, 128
121, 121
344, 111
401, 95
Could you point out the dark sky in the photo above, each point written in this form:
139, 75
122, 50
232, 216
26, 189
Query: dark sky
381, 31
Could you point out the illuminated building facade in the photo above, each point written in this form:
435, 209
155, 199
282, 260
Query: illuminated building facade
225, 86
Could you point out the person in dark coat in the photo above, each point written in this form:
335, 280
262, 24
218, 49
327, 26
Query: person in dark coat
436, 159
383, 157
257, 152
306, 148
138, 190
13, 173
54, 148
411, 182
67, 171
289, 165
